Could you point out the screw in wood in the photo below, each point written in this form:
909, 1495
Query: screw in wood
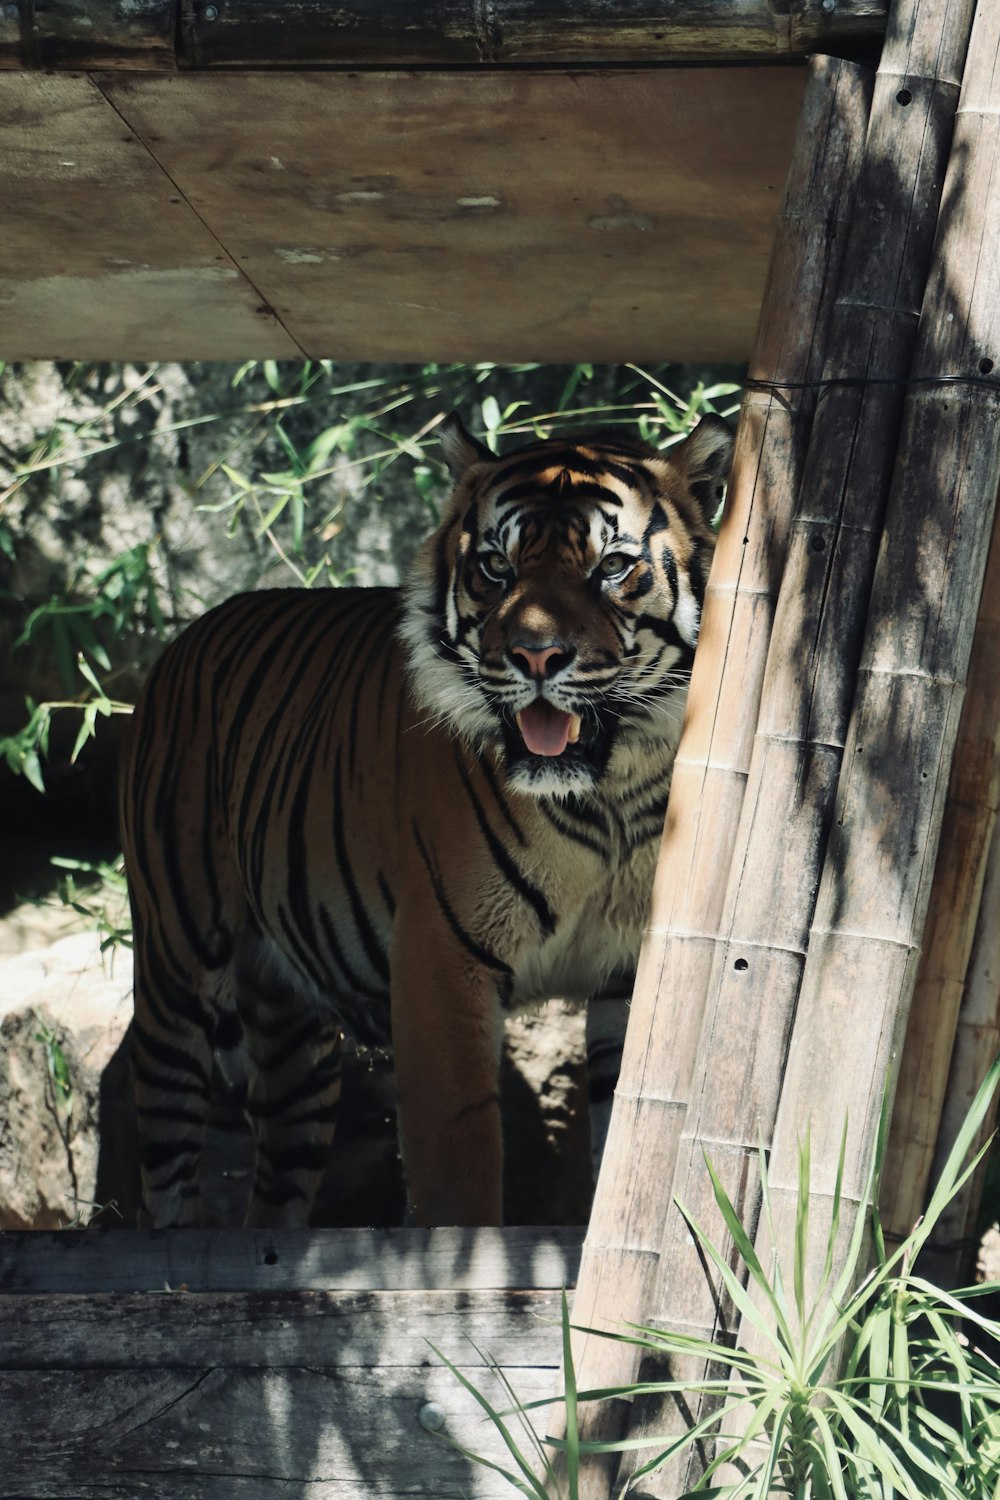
431, 1416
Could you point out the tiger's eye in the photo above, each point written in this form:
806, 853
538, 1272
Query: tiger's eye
495, 566
615, 564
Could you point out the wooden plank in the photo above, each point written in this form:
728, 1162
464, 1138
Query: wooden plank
103, 33
311, 33
122, 1260
325, 1330
261, 32
182, 1434
100, 255
616, 215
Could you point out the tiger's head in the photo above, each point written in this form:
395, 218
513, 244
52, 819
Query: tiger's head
552, 616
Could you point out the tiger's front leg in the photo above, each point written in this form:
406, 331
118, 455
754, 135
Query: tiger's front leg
447, 1026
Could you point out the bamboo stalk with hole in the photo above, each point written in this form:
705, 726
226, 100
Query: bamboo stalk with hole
877, 872
760, 954
626, 1225
925, 1088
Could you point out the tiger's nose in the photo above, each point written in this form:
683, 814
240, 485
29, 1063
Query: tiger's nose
540, 661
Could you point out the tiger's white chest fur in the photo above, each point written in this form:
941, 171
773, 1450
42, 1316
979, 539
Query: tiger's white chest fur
599, 942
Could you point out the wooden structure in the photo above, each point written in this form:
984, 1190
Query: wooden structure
240, 1364
193, 180
451, 181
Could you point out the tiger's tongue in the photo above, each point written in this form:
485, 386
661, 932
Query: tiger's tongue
544, 729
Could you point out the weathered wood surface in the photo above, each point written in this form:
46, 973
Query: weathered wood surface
237, 1433
968, 823
222, 1260
243, 1394
335, 1330
160, 34
89, 33
625, 215
100, 253
625, 1237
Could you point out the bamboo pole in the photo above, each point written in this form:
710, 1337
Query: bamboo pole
970, 813
619, 1259
759, 956
977, 1042
877, 873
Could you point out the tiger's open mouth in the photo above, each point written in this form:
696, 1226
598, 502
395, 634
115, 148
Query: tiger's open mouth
546, 746
547, 730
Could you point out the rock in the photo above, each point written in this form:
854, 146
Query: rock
64, 1011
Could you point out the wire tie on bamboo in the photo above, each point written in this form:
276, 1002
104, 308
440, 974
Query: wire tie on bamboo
860, 381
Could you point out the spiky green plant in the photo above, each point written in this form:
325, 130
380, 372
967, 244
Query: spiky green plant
880, 1386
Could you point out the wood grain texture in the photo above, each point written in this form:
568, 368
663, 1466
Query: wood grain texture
391, 216
332, 1330
249, 1433
272, 1388
161, 34
223, 1260
251, 33
101, 256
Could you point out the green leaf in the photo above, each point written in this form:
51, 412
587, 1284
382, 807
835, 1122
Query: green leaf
86, 670
240, 480
31, 768
572, 1423
535, 1487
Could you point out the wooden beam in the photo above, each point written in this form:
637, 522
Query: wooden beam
245, 1364
102, 255
624, 215
161, 34
229, 1260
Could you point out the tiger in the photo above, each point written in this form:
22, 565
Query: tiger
402, 813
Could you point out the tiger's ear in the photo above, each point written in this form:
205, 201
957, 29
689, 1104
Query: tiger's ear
704, 459
461, 450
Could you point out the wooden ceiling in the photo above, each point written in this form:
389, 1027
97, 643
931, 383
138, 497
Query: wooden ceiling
159, 210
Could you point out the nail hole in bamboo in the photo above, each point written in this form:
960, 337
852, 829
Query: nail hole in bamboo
904, 97
740, 965
985, 366
818, 543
